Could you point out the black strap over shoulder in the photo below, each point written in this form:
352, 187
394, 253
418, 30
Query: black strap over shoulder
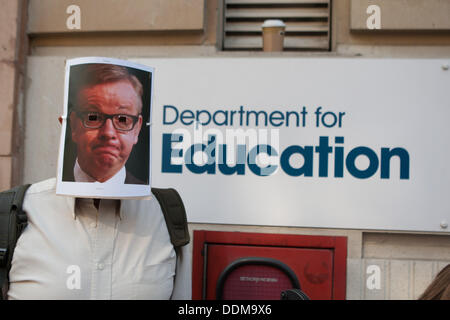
12, 222
175, 214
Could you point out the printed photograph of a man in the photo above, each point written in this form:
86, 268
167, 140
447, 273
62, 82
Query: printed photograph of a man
106, 136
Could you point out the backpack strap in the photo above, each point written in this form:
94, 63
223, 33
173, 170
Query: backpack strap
12, 222
175, 215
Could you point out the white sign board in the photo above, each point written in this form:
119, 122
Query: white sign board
340, 143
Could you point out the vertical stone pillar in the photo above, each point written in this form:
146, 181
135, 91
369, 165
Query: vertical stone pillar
13, 46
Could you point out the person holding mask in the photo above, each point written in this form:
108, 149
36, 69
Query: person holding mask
105, 121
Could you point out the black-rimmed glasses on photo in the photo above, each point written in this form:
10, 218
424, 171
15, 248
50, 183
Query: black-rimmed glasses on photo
96, 120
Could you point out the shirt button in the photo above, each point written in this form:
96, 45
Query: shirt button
100, 266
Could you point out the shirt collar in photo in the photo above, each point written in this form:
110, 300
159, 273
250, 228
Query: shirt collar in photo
81, 176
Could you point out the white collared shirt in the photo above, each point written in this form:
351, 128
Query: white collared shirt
69, 250
81, 176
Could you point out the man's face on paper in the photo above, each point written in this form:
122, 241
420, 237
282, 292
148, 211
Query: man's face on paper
102, 152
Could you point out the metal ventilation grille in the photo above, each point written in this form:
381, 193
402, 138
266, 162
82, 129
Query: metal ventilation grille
307, 23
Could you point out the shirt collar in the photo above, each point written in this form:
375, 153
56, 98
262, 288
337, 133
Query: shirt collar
81, 176
73, 202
